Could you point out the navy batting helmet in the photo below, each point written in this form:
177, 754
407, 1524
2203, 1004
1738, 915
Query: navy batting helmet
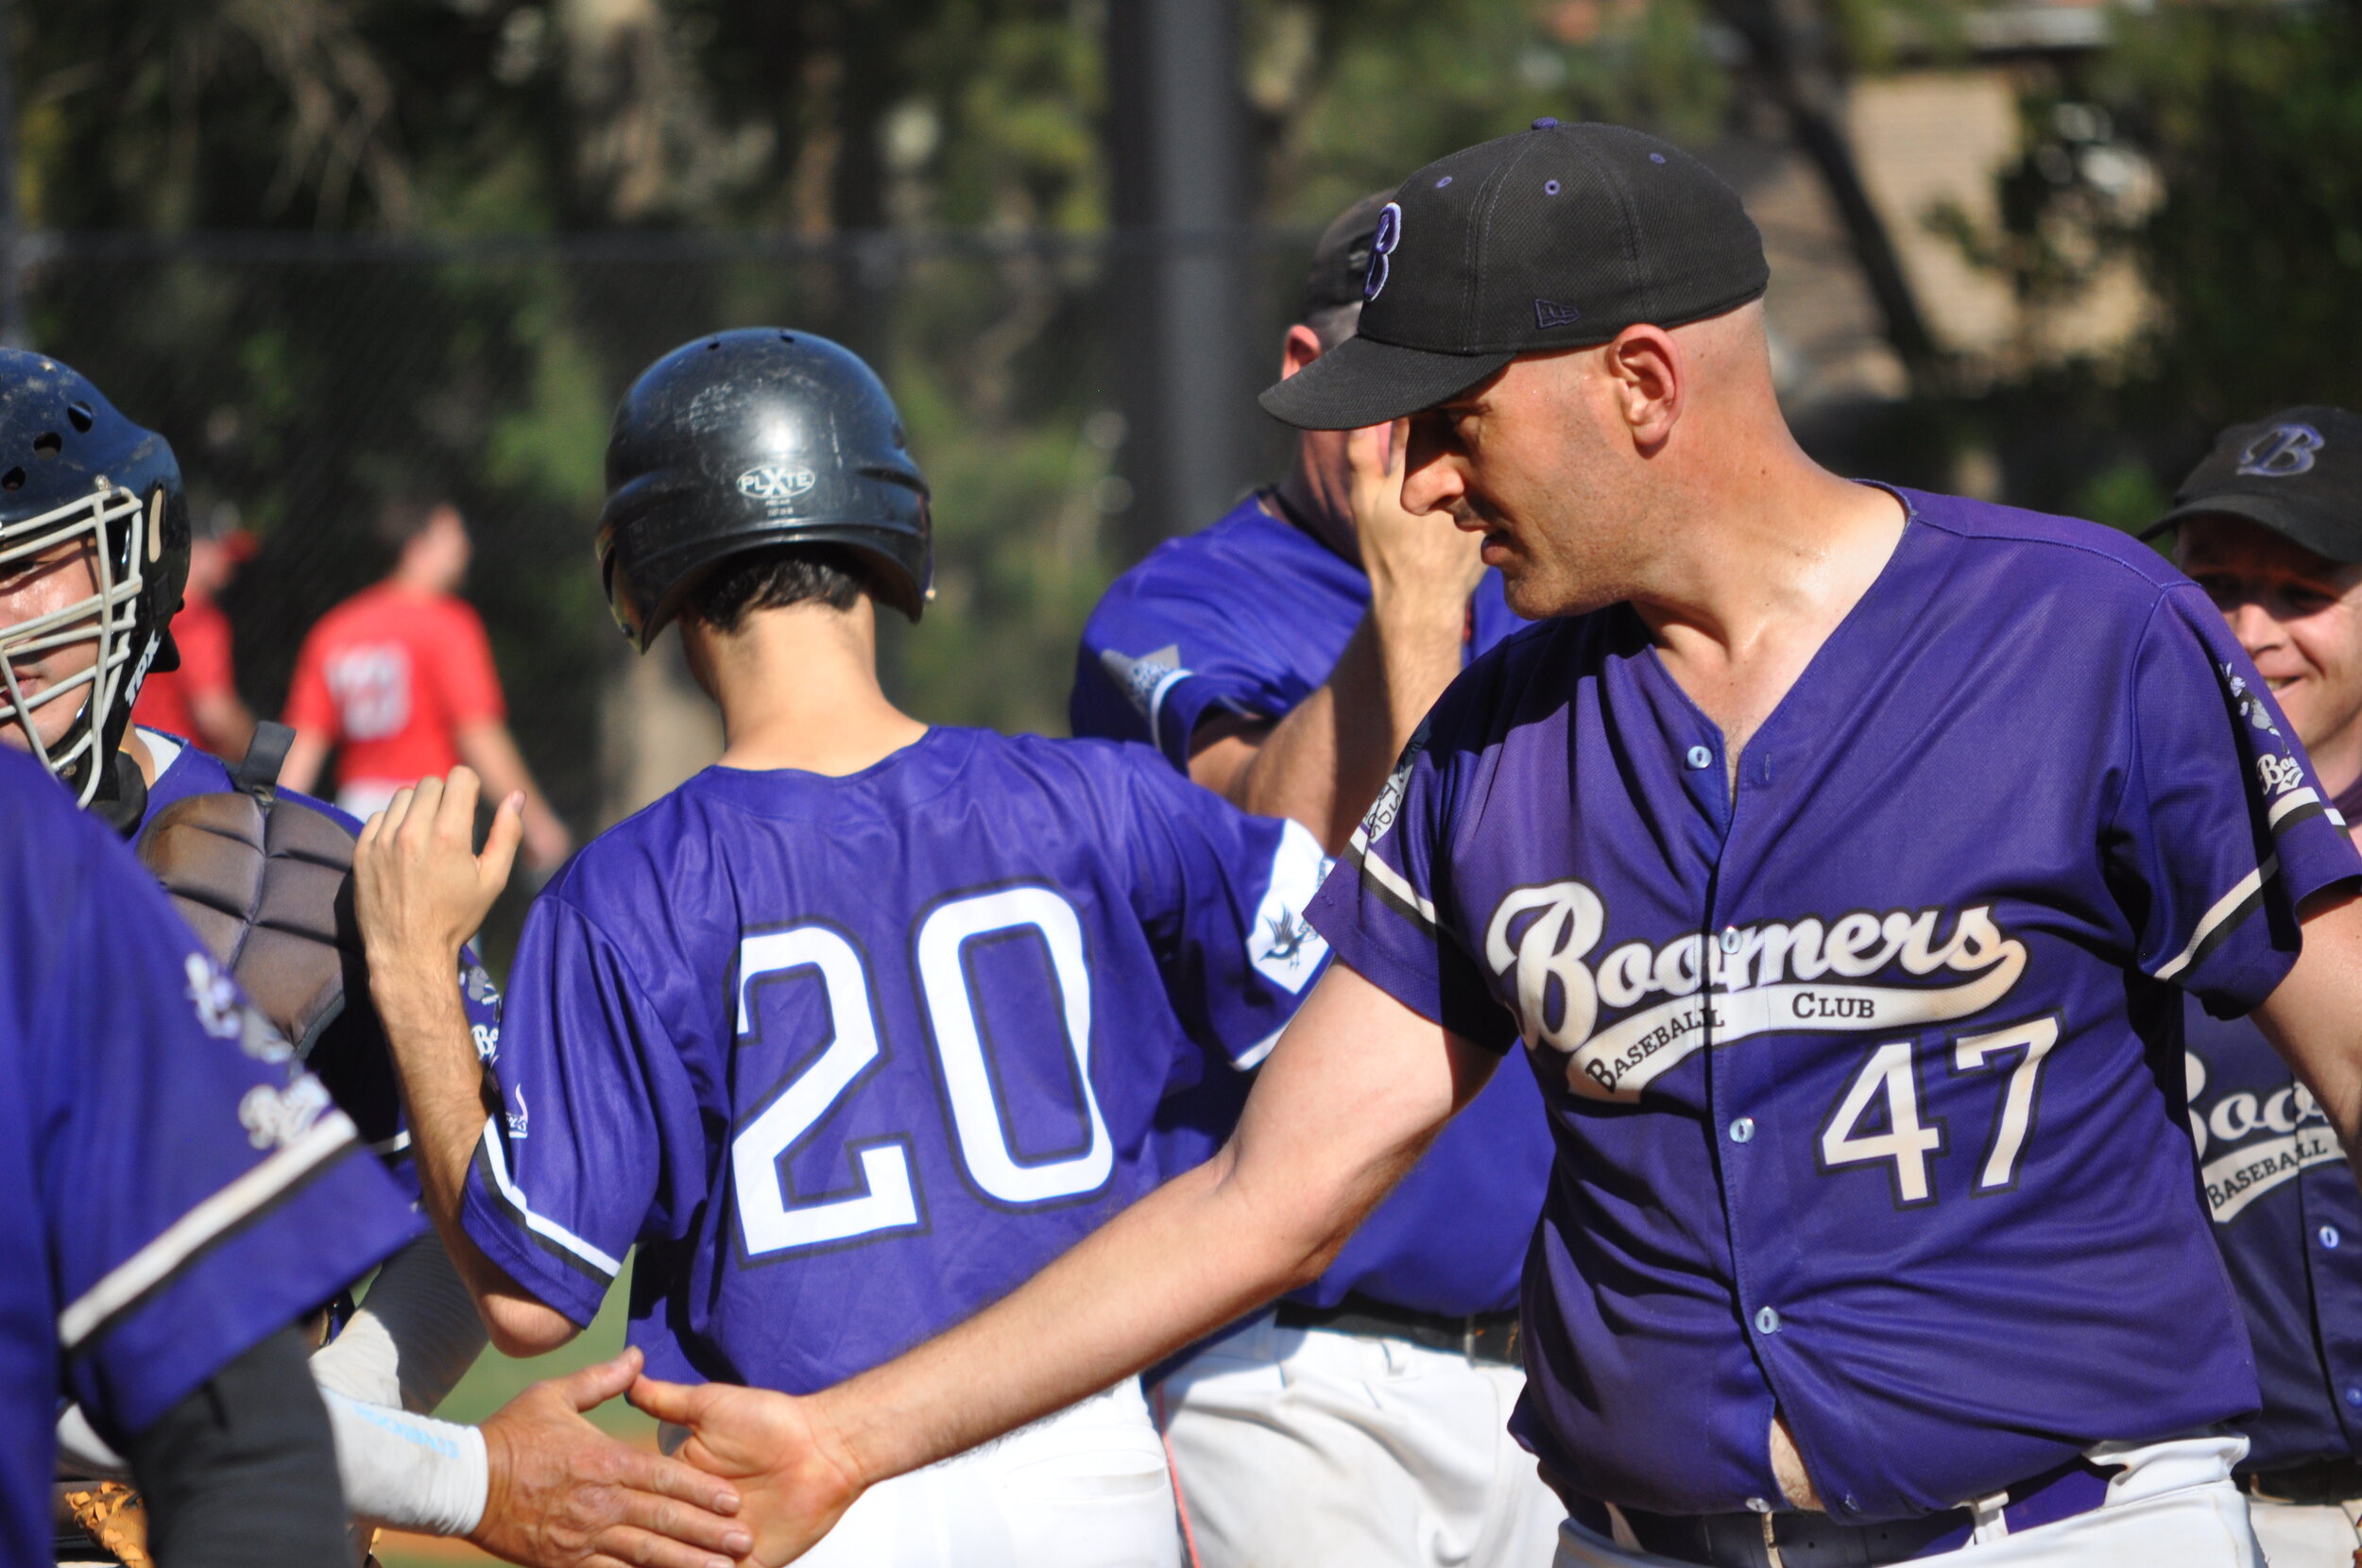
751, 438
73, 471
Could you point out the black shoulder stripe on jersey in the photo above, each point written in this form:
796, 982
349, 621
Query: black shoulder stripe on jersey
523, 1227
2230, 922
245, 1222
1376, 882
2302, 813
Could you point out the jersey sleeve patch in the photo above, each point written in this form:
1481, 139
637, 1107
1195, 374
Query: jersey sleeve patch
1285, 948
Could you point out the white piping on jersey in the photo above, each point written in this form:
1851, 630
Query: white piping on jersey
539, 1224
1156, 704
2224, 908
1388, 878
1252, 1058
394, 1144
202, 1226
2288, 802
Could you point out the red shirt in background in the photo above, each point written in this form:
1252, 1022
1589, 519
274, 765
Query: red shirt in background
201, 632
388, 676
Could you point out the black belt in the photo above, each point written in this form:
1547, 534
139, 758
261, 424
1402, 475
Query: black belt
1811, 1539
2312, 1485
1484, 1337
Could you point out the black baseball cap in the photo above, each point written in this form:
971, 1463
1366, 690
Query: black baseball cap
2298, 473
1340, 259
1557, 237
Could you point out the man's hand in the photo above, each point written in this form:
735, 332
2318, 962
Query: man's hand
795, 1477
420, 894
1421, 568
564, 1494
419, 887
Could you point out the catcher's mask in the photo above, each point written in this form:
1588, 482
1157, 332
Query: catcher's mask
83, 489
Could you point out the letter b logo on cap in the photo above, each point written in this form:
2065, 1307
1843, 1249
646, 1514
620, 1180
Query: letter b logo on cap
2281, 452
1382, 243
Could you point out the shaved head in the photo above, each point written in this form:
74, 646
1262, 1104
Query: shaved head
1584, 467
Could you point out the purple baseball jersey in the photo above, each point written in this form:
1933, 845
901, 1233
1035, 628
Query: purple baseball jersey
1249, 616
851, 1058
1866, 1075
176, 1190
2288, 1218
351, 1061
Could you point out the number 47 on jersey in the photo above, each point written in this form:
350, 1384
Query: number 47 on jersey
1886, 1091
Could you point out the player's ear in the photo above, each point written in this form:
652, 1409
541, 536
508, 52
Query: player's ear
1301, 348
1645, 370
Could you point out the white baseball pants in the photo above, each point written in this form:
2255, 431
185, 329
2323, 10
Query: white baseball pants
1086, 1488
1311, 1448
2171, 1505
2304, 1535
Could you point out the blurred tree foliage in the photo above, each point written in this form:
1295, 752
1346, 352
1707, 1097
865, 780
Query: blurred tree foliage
2218, 148
302, 387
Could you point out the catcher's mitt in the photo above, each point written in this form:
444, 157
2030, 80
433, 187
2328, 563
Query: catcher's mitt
113, 1517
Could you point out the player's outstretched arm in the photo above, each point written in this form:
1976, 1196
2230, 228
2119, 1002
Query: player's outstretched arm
1349, 1099
421, 891
2314, 1018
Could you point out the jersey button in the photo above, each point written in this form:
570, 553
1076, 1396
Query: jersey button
1759, 1505
1732, 940
1768, 1322
2329, 1235
2354, 1397
1742, 1129
1699, 757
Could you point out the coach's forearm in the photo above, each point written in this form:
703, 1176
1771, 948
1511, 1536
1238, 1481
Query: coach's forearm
442, 1089
442, 1078
1344, 1107
1324, 762
1113, 1305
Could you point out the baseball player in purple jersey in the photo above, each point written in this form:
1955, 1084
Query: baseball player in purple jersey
93, 550
157, 1249
857, 1030
1282, 657
2269, 524
1840, 857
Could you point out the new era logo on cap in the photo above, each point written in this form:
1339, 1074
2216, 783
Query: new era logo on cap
1557, 237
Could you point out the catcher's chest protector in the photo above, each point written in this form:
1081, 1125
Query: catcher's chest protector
266, 885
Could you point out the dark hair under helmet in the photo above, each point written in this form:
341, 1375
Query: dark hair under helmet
751, 438
74, 469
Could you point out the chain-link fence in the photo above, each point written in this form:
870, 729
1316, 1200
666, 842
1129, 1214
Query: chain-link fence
302, 378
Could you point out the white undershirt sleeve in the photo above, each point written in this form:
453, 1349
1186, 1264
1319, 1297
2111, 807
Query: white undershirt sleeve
416, 1336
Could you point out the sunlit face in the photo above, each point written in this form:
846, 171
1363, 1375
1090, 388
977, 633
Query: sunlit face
2298, 616
44, 583
1529, 458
